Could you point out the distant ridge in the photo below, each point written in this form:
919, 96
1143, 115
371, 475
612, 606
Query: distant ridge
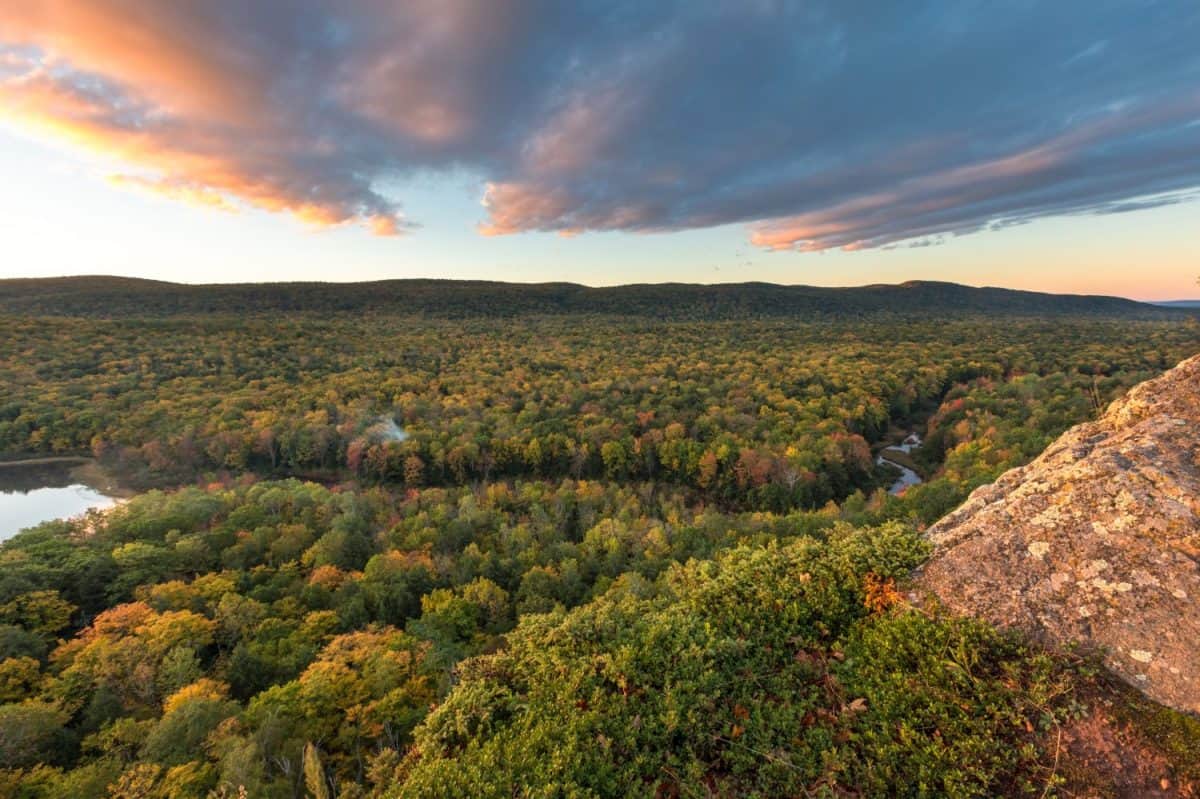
1178, 304
100, 296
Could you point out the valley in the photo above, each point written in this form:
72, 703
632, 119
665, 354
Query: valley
374, 539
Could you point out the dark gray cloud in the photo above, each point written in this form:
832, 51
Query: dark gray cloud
820, 124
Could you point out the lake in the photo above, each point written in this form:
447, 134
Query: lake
41, 491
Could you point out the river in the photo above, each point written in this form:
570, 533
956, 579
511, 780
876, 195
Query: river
907, 476
36, 491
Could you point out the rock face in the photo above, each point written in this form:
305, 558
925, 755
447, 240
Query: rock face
1097, 541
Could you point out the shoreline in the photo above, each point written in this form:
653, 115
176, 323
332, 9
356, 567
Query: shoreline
899, 456
86, 470
48, 460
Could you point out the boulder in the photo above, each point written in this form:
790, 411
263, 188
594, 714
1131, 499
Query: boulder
1097, 541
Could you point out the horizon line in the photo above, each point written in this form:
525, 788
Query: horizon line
730, 283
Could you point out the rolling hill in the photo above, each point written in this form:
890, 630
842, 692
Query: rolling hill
121, 297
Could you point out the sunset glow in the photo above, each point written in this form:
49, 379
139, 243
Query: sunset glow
794, 143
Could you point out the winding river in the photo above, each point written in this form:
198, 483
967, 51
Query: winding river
907, 476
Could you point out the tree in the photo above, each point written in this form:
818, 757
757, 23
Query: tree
314, 774
32, 732
41, 612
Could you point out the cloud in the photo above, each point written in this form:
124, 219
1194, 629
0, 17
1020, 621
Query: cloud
175, 190
209, 102
819, 125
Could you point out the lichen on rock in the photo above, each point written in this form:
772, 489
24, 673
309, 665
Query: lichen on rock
1097, 541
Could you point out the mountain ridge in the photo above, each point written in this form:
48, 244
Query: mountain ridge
110, 296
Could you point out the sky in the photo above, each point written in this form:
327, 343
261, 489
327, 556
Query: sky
1049, 146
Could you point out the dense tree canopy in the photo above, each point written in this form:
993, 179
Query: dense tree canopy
766, 415
541, 556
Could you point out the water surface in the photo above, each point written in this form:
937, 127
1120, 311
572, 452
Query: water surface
907, 476
40, 492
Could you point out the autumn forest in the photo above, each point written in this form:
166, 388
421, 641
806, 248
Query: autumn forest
371, 553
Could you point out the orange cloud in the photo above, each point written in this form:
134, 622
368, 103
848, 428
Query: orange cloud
993, 192
175, 190
384, 225
515, 207
618, 116
172, 95
871, 220
178, 55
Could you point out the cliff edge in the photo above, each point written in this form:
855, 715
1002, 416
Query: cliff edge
1097, 541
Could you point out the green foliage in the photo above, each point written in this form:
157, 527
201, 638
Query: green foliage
1177, 734
947, 703
314, 774
537, 555
671, 651
463, 299
767, 414
757, 674
41, 612
32, 732
19, 677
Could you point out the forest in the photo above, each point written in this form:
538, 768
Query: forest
541, 553
115, 297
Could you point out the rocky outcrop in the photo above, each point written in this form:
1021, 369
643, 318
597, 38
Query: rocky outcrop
1097, 541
